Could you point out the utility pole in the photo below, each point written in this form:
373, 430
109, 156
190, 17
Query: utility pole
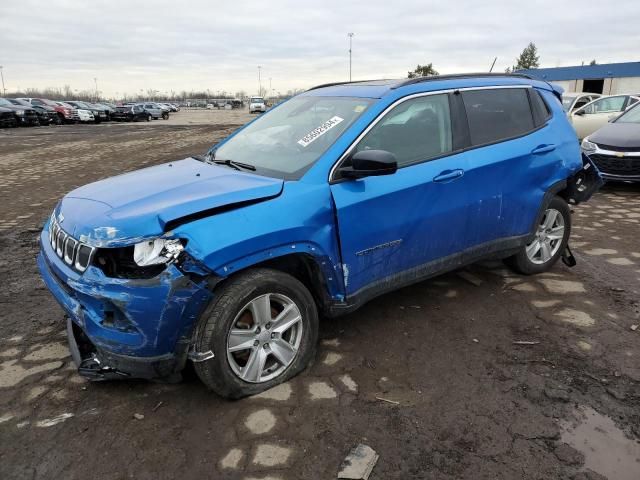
4, 90
493, 64
350, 35
259, 81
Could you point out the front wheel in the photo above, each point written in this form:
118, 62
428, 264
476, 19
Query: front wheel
262, 328
149, 118
549, 242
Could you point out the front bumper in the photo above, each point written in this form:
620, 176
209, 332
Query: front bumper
615, 165
134, 328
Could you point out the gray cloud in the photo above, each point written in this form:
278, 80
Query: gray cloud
167, 45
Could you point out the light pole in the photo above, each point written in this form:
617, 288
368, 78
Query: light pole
259, 80
350, 35
96, 82
269, 85
4, 90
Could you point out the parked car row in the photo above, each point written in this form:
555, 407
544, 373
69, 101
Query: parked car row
588, 117
608, 127
41, 111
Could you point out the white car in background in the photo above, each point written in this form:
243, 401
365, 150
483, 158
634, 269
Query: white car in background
84, 115
257, 104
593, 115
574, 100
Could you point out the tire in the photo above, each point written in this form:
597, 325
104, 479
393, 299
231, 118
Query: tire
165, 116
545, 249
231, 307
149, 118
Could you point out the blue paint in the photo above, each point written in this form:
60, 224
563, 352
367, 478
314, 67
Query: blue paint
355, 232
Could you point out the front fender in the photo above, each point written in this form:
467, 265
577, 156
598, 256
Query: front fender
300, 220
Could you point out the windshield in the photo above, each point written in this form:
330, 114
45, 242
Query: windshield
5, 102
257, 100
288, 139
630, 116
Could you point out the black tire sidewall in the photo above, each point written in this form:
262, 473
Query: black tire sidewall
215, 322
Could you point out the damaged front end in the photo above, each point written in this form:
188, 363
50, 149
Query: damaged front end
131, 310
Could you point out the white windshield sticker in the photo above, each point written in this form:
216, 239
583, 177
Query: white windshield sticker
321, 130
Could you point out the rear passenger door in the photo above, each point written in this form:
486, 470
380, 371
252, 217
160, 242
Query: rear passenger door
510, 158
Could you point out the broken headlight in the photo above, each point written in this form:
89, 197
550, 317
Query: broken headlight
156, 251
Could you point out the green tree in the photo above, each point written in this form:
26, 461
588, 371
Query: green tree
593, 62
528, 58
423, 71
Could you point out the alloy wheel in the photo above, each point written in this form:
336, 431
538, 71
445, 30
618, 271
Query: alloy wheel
548, 237
264, 338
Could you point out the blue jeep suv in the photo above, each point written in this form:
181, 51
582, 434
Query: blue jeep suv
340, 194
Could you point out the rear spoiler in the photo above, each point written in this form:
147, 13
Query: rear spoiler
557, 90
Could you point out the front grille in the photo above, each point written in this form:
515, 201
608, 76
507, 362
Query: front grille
618, 149
616, 165
30, 113
75, 254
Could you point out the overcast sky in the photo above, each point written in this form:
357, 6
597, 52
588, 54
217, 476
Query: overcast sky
177, 45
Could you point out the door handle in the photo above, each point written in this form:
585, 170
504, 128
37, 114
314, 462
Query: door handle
448, 175
543, 149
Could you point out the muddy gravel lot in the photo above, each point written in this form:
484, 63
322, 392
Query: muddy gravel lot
480, 374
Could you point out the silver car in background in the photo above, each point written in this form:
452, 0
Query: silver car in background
155, 110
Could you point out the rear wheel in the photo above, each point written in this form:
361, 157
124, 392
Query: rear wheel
262, 328
149, 118
549, 242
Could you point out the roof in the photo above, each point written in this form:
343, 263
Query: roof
585, 72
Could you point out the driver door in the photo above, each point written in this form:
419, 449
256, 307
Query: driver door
392, 226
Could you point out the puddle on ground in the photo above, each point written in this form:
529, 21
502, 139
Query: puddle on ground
606, 449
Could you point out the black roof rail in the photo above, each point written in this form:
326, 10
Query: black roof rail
430, 78
454, 76
346, 83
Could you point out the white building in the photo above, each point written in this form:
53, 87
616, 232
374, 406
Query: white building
608, 79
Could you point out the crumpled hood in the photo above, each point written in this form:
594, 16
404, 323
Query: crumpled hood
618, 134
126, 208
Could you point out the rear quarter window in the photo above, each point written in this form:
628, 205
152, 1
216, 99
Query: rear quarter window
497, 114
540, 109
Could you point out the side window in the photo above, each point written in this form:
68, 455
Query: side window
581, 103
497, 114
541, 112
414, 131
609, 104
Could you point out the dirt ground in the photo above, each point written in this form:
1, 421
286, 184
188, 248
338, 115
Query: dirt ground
434, 377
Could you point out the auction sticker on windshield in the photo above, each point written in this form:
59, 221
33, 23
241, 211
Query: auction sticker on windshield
321, 130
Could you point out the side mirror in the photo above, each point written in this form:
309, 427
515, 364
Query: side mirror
370, 163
